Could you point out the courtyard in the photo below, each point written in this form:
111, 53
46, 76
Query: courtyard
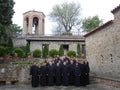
94, 86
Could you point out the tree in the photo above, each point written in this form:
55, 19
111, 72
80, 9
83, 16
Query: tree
13, 30
9, 46
78, 50
27, 48
61, 50
10, 42
66, 15
6, 13
90, 23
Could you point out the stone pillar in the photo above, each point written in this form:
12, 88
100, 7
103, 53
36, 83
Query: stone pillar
30, 25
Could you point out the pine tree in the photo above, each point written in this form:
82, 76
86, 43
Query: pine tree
27, 48
45, 51
78, 50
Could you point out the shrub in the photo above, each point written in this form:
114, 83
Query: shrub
61, 50
2, 51
53, 52
20, 52
45, 51
37, 53
71, 53
66, 33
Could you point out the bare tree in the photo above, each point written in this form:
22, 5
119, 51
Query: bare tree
67, 15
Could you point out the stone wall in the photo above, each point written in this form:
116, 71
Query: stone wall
19, 72
103, 50
17, 42
53, 45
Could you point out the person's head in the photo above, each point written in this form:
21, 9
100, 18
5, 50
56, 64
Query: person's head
71, 61
82, 62
58, 64
35, 63
76, 64
50, 63
44, 63
64, 63
85, 61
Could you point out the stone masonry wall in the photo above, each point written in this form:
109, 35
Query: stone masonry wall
103, 51
53, 45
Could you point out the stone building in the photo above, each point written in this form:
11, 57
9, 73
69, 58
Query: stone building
103, 48
33, 32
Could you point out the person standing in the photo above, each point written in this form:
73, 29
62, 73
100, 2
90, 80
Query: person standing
50, 74
58, 77
65, 74
77, 74
71, 70
43, 74
83, 72
34, 73
87, 70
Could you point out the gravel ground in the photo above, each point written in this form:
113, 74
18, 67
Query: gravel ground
28, 87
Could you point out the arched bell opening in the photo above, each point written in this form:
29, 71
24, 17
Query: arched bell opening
35, 25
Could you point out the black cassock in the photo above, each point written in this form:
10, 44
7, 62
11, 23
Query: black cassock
71, 76
58, 77
43, 77
83, 75
34, 71
77, 73
87, 70
50, 73
65, 75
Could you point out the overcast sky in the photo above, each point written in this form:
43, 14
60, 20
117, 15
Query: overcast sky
102, 8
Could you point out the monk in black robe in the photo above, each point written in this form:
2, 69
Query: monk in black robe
58, 72
71, 70
83, 73
34, 73
43, 75
50, 74
77, 73
87, 70
65, 74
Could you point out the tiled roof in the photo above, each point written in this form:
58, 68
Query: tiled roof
56, 38
116, 9
34, 11
99, 28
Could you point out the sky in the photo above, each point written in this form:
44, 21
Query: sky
102, 8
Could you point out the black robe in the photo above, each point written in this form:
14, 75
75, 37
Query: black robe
65, 75
83, 73
50, 75
71, 76
87, 70
58, 77
77, 73
34, 72
43, 77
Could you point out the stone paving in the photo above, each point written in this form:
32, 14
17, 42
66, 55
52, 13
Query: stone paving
28, 87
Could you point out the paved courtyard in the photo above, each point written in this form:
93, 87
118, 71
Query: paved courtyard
28, 87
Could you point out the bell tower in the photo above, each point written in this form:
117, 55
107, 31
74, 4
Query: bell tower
33, 23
